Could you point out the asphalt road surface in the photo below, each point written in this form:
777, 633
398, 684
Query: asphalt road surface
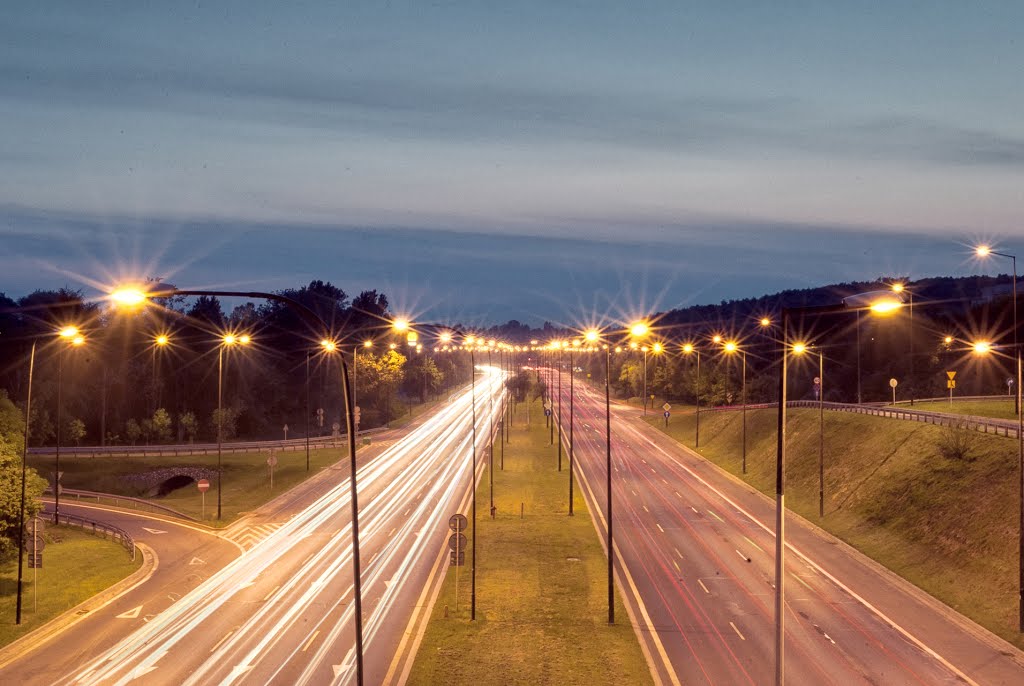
695, 564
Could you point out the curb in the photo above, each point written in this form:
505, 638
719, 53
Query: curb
37, 637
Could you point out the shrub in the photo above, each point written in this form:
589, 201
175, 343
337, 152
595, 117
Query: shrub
956, 442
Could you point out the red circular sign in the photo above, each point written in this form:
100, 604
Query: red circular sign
203, 485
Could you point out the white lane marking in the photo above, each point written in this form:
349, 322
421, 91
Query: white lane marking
694, 509
678, 553
392, 532
634, 492
753, 544
737, 631
821, 570
310, 641
676, 564
645, 508
828, 637
659, 527
703, 586
226, 636
742, 556
712, 513
678, 494
267, 597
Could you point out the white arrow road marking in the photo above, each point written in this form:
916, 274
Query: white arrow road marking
239, 670
345, 664
140, 672
196, 561
131, 614
153, 531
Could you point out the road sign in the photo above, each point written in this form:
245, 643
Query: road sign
286, 432
951, 375
547, 404
457, 522
951, 384
666, 407
667, 413
1009, 381
203, 485
457, 541
272, 460
817, 381
547, 411
893, 383
457, 561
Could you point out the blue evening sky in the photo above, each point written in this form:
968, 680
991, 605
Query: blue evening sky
489, 161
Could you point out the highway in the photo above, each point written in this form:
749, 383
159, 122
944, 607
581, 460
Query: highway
695, 565
282, 612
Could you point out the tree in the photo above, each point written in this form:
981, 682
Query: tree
74, 430
160, 426
422, 377
188, 424
227, 419
132, 431
12, 436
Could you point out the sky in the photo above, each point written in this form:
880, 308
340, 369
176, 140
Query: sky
485, 161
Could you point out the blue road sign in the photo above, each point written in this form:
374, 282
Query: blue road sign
547, 413
667, 413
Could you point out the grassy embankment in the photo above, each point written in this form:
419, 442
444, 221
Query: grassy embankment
76, 566
999, 409
947, 525
541, 587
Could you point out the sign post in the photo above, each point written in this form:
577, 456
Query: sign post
271, 463
203, 485
951, 384
892, 384
666, 407
457, 542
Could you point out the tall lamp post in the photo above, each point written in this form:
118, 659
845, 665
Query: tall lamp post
572, 377
902, 288
985, 251
561, 345
227, 340
639, 330
594, 336
800, 349
134, 297
689, 349
24, 475
73, 338
471, 342
878, 302
731, 348
984, 348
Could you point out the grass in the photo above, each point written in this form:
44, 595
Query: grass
999, 409
246, 480
948, 526
76, 566
541, 587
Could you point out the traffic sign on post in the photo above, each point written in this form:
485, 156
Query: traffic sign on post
666, 407
951, 375
457, 522
203, 485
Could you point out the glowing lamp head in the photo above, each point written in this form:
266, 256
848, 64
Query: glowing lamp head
162, 340
591, 335
229, 339
128, 297
897, 288
799, 348
470, 340
639, 329
983, 251
367, 344
400, 325
688, 348
982, 348
885, 306
244, 339
328, 346
948, 340
731, 346
78, 340
446, 337
716, 339
68, 332
766, 322
657, 348
392, 346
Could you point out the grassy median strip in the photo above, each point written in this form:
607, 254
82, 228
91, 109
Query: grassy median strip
898, 491
542, 612
76, 566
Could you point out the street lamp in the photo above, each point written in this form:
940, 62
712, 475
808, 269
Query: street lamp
800, 349
160, 341
24, 476
879, 302
228, 340
731, 348
471, 343
689, 349
71, 337
902, 288
984, 251
134, 297
640, 330
985, 348
594, 336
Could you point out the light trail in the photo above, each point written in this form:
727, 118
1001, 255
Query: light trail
432, 462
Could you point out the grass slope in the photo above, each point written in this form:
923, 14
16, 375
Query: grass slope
76, 566
948, 526
541, 587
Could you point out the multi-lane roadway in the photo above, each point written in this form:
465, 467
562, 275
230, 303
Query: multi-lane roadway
282, 612
694, 551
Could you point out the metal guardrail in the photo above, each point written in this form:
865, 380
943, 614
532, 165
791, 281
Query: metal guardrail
115, 532
998, 427
292, 444
135, 502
